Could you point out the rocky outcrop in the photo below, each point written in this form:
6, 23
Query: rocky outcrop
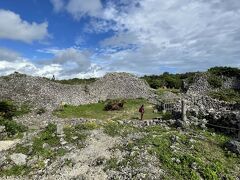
233, 146
42, 92
19, 158
200, 85
232, 83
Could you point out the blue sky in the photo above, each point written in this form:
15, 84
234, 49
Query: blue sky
79, 38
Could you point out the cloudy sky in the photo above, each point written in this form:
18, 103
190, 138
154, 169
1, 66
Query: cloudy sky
84, 38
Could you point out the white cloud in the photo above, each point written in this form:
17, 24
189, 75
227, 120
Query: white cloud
182, 35
8, 55
79, 8
73, 60
14, 28
58, 5
66, 63
79, 40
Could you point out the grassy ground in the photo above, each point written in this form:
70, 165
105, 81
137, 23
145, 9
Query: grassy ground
96, 111
194, 154
161, 91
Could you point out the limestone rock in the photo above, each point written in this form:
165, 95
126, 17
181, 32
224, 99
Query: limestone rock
44, 93
2, 129
233, 146
19, 158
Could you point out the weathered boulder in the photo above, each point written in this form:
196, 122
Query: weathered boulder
2, 159
2, 129
182, 124
233, 146
19, 158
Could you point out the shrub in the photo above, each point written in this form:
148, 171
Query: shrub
167, 116
23, 109
12, 127
7, 109
215, 81
225, 71
76, 81
113, 105
228, 95
41, 111
168, 80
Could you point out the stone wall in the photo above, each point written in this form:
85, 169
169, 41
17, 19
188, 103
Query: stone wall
232, 83
42, 92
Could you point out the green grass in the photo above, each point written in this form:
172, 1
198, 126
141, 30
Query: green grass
15, 171
96, 111
113, 129
161, 91
78, 134
22, 149
48, 136
71, 132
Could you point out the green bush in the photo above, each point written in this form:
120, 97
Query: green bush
7, 109
215, 81
23, 109
113, 105
12, 127
41, 111
76, 81
228, 95
225, 71
168, 80
167, 116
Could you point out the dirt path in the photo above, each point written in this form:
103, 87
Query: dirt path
87, 161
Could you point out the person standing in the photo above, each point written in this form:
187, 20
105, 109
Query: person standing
53, 78
141, 110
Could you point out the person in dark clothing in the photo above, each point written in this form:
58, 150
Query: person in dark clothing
53, 78
141, 110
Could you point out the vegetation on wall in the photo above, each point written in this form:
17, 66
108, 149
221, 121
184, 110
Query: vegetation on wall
168, 80
76, 81
225, 71
215, 81
228, 95
7, 111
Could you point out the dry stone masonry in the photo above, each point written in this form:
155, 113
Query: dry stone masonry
42, 92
